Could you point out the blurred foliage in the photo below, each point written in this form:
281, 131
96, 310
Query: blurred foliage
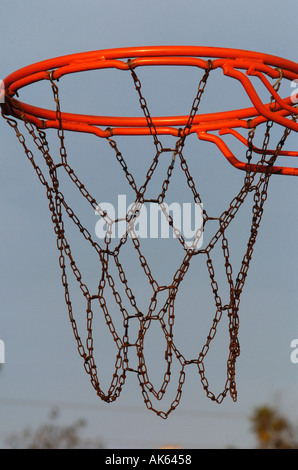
51, 435
272, 430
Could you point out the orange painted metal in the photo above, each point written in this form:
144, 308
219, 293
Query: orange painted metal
237, 64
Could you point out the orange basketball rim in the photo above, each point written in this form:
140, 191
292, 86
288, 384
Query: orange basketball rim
238, 64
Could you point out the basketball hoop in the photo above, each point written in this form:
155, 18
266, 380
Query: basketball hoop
280, 111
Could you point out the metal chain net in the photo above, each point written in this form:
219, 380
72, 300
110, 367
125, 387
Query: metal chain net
255, 184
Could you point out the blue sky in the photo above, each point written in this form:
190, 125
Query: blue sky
42, 366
